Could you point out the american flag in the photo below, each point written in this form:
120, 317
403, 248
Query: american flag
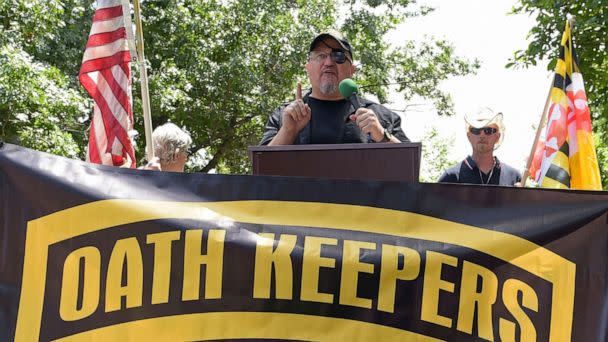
106, 75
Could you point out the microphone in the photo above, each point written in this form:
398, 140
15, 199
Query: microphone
349, 89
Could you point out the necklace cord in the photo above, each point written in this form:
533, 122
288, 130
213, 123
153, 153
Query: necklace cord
489, 176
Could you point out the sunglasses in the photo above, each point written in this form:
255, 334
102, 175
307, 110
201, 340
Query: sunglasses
337, 56
486, 130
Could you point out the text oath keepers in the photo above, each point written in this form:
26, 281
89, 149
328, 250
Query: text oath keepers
124, 281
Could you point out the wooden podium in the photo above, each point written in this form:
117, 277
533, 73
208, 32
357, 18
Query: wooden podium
380, 161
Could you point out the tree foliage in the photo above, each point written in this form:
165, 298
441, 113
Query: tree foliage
435, 156
38, 109
39, 106
218, 68
589, 37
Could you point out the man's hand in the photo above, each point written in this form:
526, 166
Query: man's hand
153, 164
295, 117
368, 123
297, 114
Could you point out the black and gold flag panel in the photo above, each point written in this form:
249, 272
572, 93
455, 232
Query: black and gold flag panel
165, 256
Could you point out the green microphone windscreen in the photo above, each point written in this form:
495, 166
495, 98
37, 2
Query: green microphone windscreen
348, 87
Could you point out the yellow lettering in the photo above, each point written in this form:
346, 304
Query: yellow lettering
390, 272
162, 264
471, 298
311, 263
433, 284
510, 289
125, 250
68, 304
280, 258
213, 261
351, 267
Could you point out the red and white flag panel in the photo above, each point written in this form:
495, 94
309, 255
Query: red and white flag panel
106, 75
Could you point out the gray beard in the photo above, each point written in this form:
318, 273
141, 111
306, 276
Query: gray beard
328, 88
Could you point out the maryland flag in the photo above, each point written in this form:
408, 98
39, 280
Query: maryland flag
566, 157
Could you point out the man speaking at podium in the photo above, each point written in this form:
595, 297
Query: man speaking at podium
323, 115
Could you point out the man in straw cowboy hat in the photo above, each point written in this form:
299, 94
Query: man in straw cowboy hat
485, 131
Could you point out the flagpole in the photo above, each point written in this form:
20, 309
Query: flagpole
541, 125
543, 118
145, 97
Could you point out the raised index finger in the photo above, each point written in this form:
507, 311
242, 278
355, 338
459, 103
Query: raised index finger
299, 91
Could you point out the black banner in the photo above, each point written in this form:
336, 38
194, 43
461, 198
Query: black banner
94, 252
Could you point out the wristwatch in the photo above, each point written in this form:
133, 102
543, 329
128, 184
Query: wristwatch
387, 136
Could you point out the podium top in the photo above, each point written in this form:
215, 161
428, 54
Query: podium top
323, 147
378, 161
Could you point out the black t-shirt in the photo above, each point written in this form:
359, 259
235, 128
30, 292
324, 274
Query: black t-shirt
467, 172
330, 123
344, 130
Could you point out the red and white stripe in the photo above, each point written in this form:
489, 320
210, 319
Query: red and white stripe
106, 75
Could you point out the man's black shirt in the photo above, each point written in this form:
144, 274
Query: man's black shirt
467, 172
329, 123
346, 131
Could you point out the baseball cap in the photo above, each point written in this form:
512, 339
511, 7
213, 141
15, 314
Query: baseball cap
335, 35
